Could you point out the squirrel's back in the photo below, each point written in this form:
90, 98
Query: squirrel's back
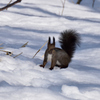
69, 40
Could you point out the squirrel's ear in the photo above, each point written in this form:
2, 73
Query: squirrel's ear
54, 40
49, 40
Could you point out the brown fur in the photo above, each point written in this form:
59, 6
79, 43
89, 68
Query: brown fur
61, 57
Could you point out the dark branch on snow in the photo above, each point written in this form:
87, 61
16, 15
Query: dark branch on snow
9, 5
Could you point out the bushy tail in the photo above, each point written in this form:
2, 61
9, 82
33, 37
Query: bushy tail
69, 40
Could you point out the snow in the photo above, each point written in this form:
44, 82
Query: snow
33, 21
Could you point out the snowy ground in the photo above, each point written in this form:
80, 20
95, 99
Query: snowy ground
33, 21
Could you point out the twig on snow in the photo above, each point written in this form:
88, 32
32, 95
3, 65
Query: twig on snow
24, 44
9, 5
63, 4
40, 49
17, 55
7, 52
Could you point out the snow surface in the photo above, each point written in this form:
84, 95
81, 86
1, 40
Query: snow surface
34, 21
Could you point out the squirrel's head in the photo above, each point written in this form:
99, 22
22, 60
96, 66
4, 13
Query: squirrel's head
51, 45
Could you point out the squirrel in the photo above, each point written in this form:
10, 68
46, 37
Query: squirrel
61, 57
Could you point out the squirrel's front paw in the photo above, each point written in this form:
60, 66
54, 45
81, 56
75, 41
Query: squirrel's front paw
41, 66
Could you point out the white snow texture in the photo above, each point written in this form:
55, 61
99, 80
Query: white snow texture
33, 21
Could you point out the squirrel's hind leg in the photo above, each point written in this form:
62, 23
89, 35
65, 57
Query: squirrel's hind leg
53, 60
53, 63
